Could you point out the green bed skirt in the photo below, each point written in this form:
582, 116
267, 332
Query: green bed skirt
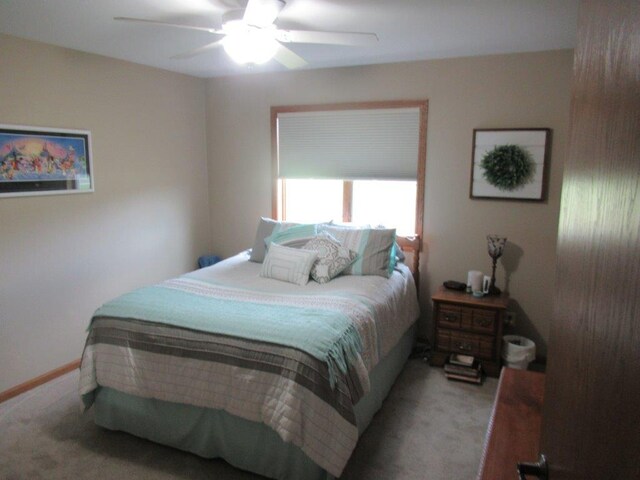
245, 444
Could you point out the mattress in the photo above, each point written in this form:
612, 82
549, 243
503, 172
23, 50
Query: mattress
296, 359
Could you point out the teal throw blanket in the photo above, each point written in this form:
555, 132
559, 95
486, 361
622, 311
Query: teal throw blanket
327, 335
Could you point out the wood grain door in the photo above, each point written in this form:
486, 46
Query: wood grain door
591, 415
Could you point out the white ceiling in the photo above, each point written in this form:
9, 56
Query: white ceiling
407, 29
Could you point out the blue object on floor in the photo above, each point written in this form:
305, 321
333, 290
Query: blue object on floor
208, 260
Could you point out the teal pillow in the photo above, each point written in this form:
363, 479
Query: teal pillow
292, 236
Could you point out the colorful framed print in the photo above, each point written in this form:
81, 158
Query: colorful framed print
510, 164
44, 161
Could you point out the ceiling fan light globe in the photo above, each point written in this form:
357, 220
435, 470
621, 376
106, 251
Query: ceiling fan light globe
250, 47
262, 13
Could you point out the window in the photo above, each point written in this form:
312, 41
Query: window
374, 202
361, 163
379, 202
312, 201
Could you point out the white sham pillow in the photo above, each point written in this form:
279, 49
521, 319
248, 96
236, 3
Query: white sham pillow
376, 255
288, 264
266, 226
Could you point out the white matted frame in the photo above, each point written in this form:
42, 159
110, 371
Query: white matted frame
44, 161
536, 141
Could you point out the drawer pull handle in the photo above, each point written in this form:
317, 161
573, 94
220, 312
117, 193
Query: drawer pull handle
485, 322
450, 317
540, 469
463, 347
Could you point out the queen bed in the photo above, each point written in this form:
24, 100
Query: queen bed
275, 377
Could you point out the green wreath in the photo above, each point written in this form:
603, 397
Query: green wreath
508, 167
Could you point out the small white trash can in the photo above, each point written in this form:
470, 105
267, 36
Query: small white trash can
517, 351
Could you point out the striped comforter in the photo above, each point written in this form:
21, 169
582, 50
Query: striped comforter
305, 396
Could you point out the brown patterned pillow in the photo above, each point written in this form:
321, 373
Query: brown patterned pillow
332, 260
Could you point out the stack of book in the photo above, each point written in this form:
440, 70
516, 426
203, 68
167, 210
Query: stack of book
464, 368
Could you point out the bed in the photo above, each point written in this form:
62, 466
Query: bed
276, 378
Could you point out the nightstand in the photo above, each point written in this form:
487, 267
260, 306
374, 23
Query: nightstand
469, 325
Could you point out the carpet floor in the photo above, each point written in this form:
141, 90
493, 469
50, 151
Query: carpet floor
429, 428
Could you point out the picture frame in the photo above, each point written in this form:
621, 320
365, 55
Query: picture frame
494, 177
44, 161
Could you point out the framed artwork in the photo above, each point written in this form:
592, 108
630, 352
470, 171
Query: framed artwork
44, 161
510, 164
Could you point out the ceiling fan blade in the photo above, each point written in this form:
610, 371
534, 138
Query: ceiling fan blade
262, 13
165, 24
199, 50
330, 38
288, 58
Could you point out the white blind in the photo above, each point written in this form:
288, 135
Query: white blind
349, 144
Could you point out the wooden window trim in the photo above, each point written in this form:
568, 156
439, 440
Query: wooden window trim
347, 200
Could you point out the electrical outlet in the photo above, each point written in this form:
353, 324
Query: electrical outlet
510, 318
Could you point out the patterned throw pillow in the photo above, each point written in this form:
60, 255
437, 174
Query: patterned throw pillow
333, 258
288, 264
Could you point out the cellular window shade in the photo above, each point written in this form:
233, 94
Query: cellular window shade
349, 144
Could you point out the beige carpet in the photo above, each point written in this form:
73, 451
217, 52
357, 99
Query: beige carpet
428, 429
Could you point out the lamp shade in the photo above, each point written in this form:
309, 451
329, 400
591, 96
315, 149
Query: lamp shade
495, 245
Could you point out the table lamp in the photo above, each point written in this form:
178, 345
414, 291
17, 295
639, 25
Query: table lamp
495, 244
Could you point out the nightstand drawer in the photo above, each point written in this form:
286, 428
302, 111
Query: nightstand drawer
466, 318
443, 340
466, 343
478, 320
449, 316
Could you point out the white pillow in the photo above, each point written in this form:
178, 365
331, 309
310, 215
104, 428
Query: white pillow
288, 264
333, 258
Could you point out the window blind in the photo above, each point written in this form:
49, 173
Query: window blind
349, 144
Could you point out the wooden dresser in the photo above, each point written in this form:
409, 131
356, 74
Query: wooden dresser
514, 429
468, 325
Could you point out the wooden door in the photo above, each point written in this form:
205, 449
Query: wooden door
591, 414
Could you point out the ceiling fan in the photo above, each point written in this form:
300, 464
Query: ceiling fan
249, 35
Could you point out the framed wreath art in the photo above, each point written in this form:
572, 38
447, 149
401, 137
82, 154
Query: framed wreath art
510, 163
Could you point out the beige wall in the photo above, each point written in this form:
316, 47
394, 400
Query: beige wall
520, 90
62, 256
149, 218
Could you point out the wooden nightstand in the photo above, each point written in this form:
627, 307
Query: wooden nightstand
469, 325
